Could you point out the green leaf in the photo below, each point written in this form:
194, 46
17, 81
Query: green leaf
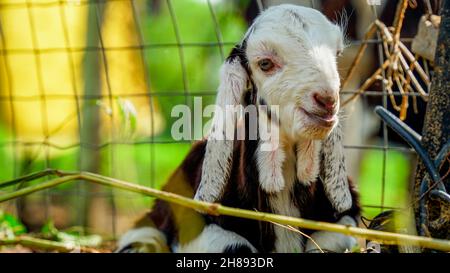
49, 230
8, 221
128, 116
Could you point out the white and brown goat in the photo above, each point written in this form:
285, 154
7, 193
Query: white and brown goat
287, 58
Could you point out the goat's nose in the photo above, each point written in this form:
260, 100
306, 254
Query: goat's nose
325, 101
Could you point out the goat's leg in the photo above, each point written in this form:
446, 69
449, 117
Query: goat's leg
332, 241
215, 239
142, 240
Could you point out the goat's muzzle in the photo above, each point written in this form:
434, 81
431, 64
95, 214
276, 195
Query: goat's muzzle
324, 112
326, 102
321, 118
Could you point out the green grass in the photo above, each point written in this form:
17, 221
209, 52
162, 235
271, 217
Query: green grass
371, 177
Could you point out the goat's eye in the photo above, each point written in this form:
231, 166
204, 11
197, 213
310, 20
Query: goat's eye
339, 53
266, 65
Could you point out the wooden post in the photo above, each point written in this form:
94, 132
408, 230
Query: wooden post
89, 138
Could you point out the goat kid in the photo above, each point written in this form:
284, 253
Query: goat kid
287, 58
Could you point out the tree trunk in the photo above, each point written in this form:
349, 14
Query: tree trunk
437, 122
90, 133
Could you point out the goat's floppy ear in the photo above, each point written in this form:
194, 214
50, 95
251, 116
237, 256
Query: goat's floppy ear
219, 147
333, 171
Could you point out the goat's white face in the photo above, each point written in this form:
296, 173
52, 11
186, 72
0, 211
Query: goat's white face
292, 54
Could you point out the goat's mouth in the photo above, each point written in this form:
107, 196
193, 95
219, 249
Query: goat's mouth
322, 119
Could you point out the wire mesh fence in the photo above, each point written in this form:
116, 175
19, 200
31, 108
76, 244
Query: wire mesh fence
90, 84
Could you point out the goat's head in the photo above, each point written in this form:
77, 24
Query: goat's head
290, 53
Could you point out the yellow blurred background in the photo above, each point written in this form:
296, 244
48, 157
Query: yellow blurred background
43, 91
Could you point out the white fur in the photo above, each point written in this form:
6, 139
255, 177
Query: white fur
147, 237
308, 161
332, 241
270, 160
281, 203
335, 175
286, 241
214, 239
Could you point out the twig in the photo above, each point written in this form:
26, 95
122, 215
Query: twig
47, 245
414, 63
415, 82
29, 177
218, 209
366, 84
399, 16
359, 55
